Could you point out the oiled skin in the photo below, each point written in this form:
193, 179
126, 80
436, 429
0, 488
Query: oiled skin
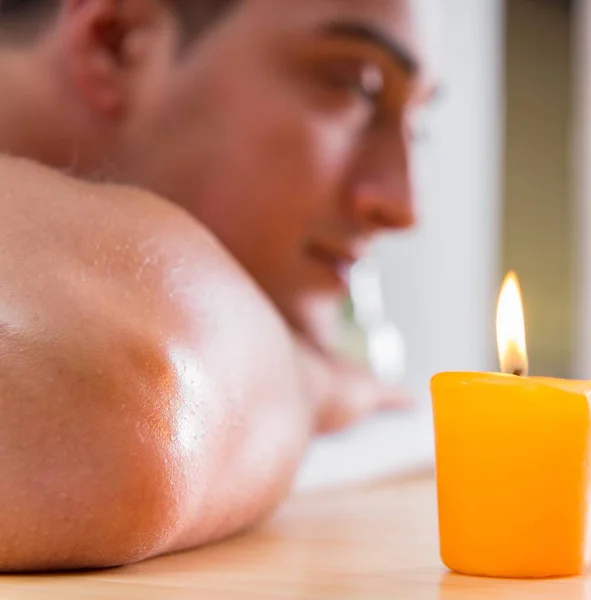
149, 399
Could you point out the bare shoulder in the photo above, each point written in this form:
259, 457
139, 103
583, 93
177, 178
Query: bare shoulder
61, 236
129, 340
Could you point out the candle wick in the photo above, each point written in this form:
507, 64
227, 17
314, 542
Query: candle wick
518, 372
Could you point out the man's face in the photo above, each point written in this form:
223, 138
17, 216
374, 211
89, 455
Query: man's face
286, 129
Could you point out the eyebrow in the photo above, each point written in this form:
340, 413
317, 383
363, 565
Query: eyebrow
368, 34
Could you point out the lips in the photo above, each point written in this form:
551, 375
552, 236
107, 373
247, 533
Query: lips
337, 262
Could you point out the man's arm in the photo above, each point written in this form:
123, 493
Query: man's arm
149, 399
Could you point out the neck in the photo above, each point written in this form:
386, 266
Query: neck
33, 122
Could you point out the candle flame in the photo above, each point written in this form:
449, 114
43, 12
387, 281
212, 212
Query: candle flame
511, 328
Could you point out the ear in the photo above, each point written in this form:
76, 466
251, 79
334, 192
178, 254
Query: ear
98, 36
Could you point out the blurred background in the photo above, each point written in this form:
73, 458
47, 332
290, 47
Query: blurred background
538, 202
502, 183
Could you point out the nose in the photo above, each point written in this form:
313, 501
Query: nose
382, 194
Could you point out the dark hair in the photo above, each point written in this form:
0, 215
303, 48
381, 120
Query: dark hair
16, 7
23, 18
30, 16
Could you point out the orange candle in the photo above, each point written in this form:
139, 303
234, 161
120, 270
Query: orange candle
512, 455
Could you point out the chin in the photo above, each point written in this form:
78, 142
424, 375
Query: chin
318, 316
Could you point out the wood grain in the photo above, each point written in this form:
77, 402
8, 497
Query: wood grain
369, 544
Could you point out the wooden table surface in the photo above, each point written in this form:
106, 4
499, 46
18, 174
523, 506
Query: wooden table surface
367, 544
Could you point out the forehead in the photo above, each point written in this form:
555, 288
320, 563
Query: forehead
396, 11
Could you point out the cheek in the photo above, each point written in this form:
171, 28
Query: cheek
259, 167
278, 167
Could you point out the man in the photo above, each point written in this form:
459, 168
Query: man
152, 399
